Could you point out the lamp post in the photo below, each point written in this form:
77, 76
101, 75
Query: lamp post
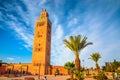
83, 63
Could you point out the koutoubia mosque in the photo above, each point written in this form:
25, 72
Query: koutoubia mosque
41, 51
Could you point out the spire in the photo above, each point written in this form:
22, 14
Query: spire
45, 9
44, 13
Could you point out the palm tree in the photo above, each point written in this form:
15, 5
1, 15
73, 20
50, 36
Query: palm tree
70, 67
95, 57
76, 44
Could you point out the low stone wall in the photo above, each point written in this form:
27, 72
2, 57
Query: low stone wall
29, 78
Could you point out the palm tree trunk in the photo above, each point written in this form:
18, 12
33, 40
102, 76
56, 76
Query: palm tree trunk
71, 74
77, 63
97, 67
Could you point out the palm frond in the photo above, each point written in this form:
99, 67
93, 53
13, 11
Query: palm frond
76, 44
68, 44
95, 57
72, 41
90, 43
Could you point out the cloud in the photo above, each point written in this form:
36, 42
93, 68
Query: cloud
58, 33
72, 22
42, 1
93, 26
55, 21
10, 58
22, 34
100, 28
58, 51
21, 23
57, 44
94, 20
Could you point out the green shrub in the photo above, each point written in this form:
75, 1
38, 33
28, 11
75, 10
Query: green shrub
100, 76
79, 75
68, 79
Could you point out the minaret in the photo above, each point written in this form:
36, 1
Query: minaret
42, 43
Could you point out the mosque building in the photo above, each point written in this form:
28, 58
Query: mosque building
41, 51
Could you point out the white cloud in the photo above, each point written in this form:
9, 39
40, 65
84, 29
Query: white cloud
60, 54
101, 31
55, 21
92, 27
72, 22
10, 58
57, 45
59, 32
42, 1
22, 32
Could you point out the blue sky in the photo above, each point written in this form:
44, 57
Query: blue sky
99, 20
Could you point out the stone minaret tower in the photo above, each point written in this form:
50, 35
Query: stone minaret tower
42, 43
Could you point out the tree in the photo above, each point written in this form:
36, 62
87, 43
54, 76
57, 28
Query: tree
115, 65
70, 67
95, 57
76, 44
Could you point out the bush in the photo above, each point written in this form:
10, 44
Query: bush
100, 76
68, 79
79, 75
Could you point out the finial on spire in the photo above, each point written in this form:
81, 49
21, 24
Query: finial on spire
44, 13
44, 9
